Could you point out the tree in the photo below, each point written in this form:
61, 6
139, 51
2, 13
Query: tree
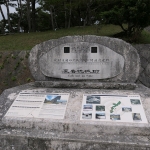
52, 6
43, 22
28, 15
33, 15
8, 13
3, 23
7, 3
88, 10
19, 9
131, 15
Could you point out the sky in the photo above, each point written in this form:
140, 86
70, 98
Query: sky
11, 9
5, 11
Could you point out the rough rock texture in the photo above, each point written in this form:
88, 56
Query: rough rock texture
132, 62
71, 132
86, 85
144, 52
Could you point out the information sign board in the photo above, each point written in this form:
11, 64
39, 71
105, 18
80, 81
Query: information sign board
34, 104
119, 108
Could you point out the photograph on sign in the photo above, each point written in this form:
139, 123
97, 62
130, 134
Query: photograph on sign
118, 108
115, 116
55, 99
100, 115
93, 100
87, 115
54, 106
100, 108
135, 101
136, 116
127, 109
87, 107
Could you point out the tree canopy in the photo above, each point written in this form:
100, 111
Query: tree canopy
131, 15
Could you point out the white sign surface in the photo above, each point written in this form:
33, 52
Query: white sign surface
34, 104
119, 108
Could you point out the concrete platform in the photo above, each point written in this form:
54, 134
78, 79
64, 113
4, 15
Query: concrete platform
71, 133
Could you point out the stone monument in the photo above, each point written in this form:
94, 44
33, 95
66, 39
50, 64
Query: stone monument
84, 97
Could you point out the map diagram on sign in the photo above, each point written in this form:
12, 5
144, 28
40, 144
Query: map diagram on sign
119, 108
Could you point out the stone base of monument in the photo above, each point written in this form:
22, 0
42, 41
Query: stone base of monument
74, 132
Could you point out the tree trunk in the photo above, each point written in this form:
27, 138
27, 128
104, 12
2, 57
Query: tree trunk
8, 17
20, 14
55, 21
87, 19
28, 16
33, 16
69, 21
65, 15
4, 20
79, 16
2, 13
52, 19
88, 12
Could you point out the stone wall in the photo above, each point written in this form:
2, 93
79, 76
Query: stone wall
14, 67
144, 52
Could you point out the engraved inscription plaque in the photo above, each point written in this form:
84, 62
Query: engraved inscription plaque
81, 60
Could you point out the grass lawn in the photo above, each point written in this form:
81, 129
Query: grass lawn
25, 41
145, 38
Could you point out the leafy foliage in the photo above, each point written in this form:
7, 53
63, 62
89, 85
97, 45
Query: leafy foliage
134, 13
131, 15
